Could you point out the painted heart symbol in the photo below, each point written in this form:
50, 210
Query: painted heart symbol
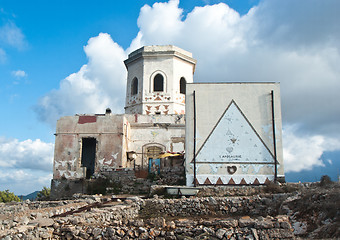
229, 149
231, 169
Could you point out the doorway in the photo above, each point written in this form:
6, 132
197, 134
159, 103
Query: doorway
88, 155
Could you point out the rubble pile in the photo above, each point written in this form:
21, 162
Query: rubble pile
311, 213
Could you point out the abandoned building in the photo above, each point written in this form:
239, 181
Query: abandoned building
160, 117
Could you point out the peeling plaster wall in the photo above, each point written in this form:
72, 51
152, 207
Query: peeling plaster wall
234, 133
115, 136
109, 135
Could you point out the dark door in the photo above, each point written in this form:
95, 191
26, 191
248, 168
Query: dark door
88, 155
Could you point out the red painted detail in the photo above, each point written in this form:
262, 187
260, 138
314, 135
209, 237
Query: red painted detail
158, 98
207, 182
219, 181
166, 112
157, 107
133, 102
243, 181
166, 106
231, 181
147, 112
196, 182
136, 117
148, 107
256, 182
87, 119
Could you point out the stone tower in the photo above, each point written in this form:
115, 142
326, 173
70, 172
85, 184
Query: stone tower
156, 81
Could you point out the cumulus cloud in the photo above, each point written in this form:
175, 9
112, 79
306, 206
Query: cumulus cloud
296, 43
23, 182
25, 166
97, 85
28, 154
305, 152
292, 42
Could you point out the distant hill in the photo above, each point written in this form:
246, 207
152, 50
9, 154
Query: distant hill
32, 196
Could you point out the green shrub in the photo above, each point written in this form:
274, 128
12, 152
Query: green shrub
7, 196
44, 194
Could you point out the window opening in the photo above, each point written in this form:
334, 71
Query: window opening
134, 86
158, 83
88, 155
182, 85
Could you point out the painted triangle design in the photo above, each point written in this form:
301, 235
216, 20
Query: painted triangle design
267, 181
256, 182
229, 141
219, 181
243, 182
231, 181
207, 182
195, 182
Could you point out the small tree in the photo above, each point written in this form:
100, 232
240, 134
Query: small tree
325, 180
44, 194
7, 196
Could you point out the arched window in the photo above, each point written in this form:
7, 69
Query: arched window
158, 83
134, 86
182, 85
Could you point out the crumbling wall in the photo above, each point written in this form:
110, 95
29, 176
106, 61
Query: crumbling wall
300, 214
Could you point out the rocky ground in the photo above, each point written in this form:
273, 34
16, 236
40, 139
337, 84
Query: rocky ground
300, 212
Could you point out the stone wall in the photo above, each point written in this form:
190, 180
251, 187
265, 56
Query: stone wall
307, 213
120, 181
131, 220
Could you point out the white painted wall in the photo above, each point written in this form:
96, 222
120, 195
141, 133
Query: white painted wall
172, 63
225, 114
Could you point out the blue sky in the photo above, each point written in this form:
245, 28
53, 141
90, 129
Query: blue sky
52, 64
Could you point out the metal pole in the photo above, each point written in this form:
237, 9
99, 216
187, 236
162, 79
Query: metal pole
274, 136
194, 96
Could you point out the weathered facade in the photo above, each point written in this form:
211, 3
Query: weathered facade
154, 121
234, 129
88, 144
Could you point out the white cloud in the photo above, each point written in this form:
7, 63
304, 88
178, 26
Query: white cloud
25, 166
161, 23
281, 41
305, 152
19, 74
97, 85
28, 154
293, 42
11, 35
23, 182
